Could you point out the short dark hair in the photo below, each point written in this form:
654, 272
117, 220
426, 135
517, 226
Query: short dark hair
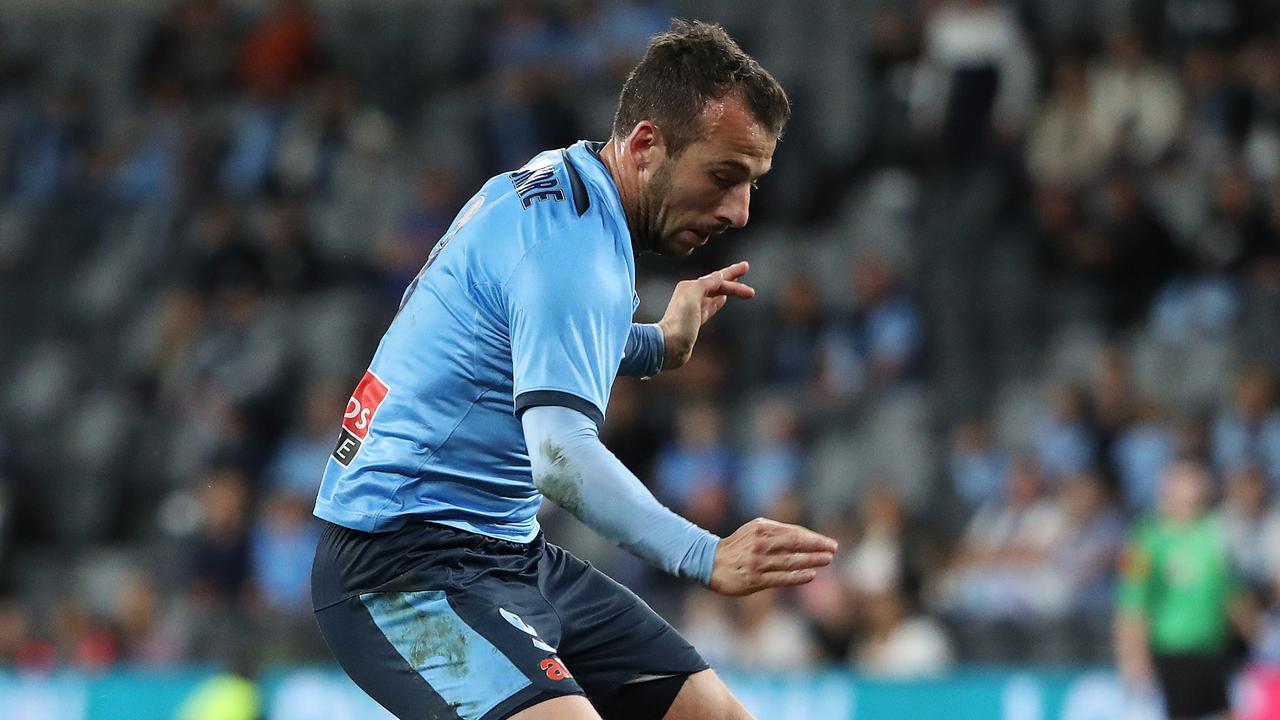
684, 68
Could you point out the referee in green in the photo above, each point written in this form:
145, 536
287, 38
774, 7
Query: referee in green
1178, 598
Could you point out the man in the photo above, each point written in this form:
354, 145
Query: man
433, 585
1178, 599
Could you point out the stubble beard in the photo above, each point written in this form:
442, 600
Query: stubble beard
651, 214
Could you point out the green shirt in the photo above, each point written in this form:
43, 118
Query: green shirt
1179, 578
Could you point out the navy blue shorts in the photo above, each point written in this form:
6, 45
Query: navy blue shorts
434, 622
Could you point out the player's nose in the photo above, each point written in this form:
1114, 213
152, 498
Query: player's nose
736, 206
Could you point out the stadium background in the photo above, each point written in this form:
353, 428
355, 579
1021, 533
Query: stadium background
1013, 258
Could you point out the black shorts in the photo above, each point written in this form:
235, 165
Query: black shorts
1193, 685
434, 622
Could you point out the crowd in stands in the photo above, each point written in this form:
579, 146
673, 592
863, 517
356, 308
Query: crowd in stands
1015, 260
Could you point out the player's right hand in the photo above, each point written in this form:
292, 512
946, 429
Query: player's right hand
765, 553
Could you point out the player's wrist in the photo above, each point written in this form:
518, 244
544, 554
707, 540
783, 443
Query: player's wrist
699, 562
676, 346
657, 338
662, 346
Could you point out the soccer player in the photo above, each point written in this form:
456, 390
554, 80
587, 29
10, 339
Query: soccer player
1178, 600
432, 584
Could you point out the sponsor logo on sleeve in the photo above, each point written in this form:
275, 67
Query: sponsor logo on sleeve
357, 418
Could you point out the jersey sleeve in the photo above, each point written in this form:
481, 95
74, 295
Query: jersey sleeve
569, 314
1136, 577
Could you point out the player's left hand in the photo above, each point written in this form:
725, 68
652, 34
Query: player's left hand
765, 554
692, 304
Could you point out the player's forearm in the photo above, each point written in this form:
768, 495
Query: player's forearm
1245, 614
644, 352
1133, 656
577, 472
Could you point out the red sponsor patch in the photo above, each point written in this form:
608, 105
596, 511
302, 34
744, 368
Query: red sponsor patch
554, 668
356, 419
364, 402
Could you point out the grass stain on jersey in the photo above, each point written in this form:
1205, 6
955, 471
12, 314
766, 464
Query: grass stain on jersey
433, 640
442, 636
560, 482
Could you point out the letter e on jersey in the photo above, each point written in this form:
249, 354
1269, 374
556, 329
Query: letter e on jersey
361, 408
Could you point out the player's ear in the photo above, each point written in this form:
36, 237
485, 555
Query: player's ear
646, 145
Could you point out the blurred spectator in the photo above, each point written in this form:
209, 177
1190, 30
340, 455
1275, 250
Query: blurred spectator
365, 175
1197, 308
248, 165
282, 544
708, 625
832, 612
756, 632
1248, 432
1066, 441
241, 354
1178, 191
628, 432
692, 473
1068, 144
52, 146
1207, 22
279, 52
220, 553
610, 36
153, 630
1113, 398
193, 44
1266, 645
143, 162
1140, 454
1261, 260
772, 463
302, 454
82, 638
1236, 223
1004, 550
6, 506
1135, 100
1215, 112
768, 635
885, 554
1260, 64
1193, 442
1144, 253
1088, 268
524, 36
402, 251
292, 264
221, 251
891, 335
900, 645
977, 74
20, 647
1252, 528
1082, 560
794, 332
878, 346
977, 466
528, 114
315, 131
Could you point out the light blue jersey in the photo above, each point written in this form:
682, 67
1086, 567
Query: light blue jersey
527, 300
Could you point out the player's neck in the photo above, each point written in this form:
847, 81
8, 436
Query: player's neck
627, 181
